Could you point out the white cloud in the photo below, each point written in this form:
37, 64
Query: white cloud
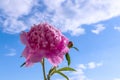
10, 24
12, 11
80, 74
99, 28
99, 64
15, 8
81, 68
116, 79
12, 52
92, 65
67, 15
117, 28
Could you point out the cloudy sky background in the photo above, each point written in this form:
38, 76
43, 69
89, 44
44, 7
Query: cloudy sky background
93, 26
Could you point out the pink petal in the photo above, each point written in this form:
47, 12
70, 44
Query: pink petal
23, 37
28, 63
26, 52
55, 60
36, 57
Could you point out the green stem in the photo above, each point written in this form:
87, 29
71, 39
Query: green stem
43, 68
48, 77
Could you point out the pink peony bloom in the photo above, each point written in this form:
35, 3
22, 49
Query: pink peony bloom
44, 41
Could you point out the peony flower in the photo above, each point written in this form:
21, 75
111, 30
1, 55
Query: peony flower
44, 41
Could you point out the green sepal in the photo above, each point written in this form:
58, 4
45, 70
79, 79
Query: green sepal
23, 64
76, 48
70, 44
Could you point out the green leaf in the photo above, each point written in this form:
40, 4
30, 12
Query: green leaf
62, 74
66, 69
23, 64
75, 48
68, 58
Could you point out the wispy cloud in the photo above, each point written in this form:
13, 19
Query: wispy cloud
67, 15
98, 28
81, 68
11, 52
93, 65
80, 74
117, 28
116, 79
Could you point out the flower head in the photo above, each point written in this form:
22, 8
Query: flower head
44, 41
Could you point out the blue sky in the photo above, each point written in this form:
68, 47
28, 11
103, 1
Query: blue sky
93, 26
